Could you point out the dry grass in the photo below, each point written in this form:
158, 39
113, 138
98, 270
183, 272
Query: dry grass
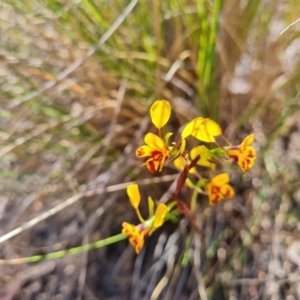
63, 133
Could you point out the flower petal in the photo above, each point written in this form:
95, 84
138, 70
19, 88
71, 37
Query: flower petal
152, 165
243, 155
202, 129
207, 131
159, 216
129, 229
227, 191
247, 158
160, 112
248, 140
167, 137
234, 154
218, 189
221, 179
134, 195
143, 151
180, 163
191, 127
155, 142
137, 241
205, 156
213, 193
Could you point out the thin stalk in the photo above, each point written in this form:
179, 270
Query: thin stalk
63, 253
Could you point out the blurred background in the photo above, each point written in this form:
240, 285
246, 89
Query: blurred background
76, 80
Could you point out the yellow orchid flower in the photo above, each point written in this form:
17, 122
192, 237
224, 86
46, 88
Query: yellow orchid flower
157, 149
136, 236
244, 154
160, 112
137, 242
219, 189
205, 156
137, 233
129, 229
204, 159
203, 129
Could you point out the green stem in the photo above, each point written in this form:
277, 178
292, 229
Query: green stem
195, 194
194, 200
62, 253
79, 249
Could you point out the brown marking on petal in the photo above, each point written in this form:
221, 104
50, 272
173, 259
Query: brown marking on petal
227, 193
234, 157
155, 152
133, 240
250, 154
151, 166
156, 155
244, 165
158, 158
215, 199
215, 189
140, 152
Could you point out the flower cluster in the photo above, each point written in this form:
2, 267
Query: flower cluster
209, 155
156, 147
203, 129
137, 233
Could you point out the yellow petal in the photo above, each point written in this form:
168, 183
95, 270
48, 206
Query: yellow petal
160, 112
134, 195
220, 179
234, 154
207, 131
167, 137
218, 189
213, 197
191, 127
143, 151
224, 192
129, 229
227, 191
182, 146
202, 129
137, 242
248, 140
152, 165
247, 158
160, 214
162, 162
155, 142
178, 162
205, 156
250, 152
